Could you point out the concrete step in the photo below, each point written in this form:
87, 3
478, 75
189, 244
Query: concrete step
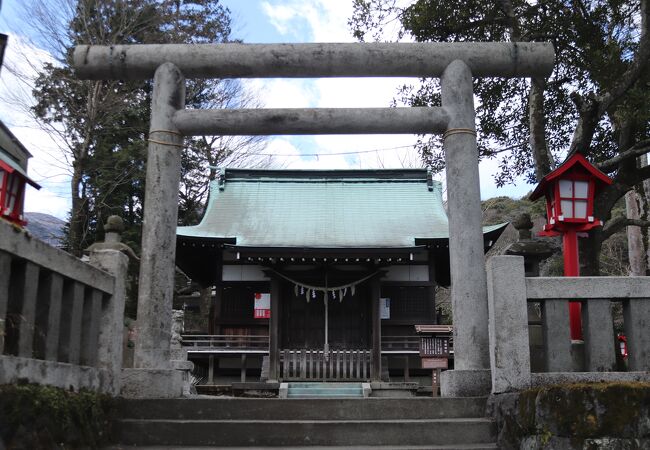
228, 408
232, 433
317, 447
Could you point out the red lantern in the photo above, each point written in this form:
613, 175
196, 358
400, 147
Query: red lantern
570, 190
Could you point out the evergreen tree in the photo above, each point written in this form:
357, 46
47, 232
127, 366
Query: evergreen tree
595, 102
105, 123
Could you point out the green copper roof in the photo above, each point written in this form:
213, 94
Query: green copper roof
324, 209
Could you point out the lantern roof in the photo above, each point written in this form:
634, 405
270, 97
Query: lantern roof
575, 162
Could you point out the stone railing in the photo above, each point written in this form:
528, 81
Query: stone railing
509, 292
61, 319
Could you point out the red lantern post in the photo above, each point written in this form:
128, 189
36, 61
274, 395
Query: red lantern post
570, 190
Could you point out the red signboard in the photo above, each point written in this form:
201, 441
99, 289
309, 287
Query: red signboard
262, 308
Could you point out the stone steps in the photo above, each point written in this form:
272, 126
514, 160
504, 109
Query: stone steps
230, 408
305, 432
444, 423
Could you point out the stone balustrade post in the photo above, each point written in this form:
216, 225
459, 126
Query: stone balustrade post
636, 318
508, 319
534, 251
110, 256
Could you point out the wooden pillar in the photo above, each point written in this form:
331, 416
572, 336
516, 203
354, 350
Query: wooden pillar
407, 374
211, 369
243, 368
375, 293
432, 287
274, 321
214, 311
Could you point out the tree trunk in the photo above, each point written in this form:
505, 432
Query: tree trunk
591, 246
636, 203
75, 235
589, 253
541, 155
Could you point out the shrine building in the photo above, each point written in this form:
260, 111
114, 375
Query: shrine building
318, 274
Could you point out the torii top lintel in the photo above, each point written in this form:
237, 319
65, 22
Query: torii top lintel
233, 60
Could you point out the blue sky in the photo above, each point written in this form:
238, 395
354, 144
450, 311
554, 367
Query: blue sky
255, 21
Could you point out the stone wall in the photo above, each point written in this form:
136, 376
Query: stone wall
574, 416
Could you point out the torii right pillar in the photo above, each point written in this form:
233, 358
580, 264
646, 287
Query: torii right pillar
471, 374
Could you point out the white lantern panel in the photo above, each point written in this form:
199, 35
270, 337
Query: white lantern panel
580, 209
566, 189
581, 189
567, 209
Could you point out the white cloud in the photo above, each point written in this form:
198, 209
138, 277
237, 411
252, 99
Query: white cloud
283, 93
326, 21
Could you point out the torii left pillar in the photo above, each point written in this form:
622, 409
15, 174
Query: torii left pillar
153, 375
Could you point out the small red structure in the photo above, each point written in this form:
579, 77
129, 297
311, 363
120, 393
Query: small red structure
570, 190
622, 343
13, 176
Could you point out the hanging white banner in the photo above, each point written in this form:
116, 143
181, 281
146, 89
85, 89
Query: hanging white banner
262, 308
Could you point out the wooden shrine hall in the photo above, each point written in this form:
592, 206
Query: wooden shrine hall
324, 272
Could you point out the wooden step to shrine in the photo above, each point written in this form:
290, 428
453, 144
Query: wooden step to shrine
444, 423
324, 390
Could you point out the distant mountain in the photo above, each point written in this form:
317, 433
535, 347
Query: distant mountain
45, 227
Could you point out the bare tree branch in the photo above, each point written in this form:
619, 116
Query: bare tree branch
620, 222
640, 174
587, 122
638, 149
594, 107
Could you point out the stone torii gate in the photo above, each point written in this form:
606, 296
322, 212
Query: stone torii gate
454, 63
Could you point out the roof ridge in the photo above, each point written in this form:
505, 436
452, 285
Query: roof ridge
379, 174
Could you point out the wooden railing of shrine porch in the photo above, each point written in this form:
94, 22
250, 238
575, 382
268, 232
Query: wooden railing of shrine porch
510, 292
61, 319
